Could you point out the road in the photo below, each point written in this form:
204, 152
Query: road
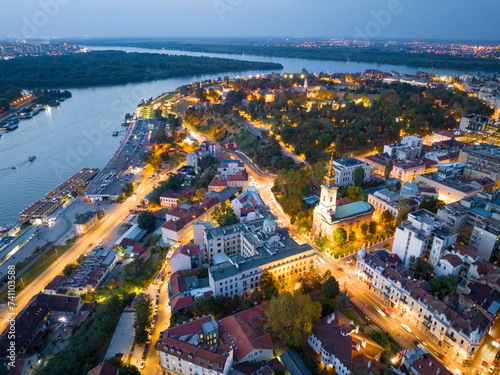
162, 322
256, 129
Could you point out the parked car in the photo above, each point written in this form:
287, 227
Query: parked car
141, 366
491, 369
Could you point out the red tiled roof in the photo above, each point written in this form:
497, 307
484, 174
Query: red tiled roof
246, 329
138, 248
181, 302
104, 369
454, 260
428, 365
187, 250
126, 242
245, 210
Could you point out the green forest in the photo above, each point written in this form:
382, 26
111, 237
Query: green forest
113, 67
353, 54
7, 95
316, 130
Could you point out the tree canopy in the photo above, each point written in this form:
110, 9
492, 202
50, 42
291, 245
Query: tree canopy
147, 221
359, 176
224, 215
331, 287
290, 317
444, 285
421, 269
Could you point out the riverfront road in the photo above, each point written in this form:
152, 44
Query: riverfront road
86, 243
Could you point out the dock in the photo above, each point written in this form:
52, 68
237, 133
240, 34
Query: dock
55, 198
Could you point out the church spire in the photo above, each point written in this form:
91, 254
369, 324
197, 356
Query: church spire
330, 175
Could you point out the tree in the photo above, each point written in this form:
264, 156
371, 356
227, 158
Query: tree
444, 285
224, 215
268, 285
364, 229
388, 169
372, 227
128, 189
421, 268
129, 370
386, 218
340, 236
359, 176
331, 288
344, 299
355, 192
152, 239
70, 269
322, 243
142, 319
147, 221
352, 236
431, 204
290, 317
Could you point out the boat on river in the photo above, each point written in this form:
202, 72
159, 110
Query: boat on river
31, 158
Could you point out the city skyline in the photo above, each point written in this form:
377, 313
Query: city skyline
392, 19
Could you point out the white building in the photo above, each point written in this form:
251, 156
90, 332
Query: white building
185, 258
342, 345
344, 170
460, 333
245, 205
253, 248
449, 265
210, 347
423, 235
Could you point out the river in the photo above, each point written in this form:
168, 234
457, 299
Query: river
78, 134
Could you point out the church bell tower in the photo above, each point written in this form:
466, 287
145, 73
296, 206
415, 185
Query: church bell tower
329, 189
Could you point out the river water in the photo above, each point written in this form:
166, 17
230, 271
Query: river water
78, 134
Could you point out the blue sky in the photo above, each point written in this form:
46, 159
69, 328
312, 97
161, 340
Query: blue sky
413, 19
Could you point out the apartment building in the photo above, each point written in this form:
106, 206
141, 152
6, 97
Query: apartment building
344, 170
211, 347
422, 235
460, 333
483, 157
241, 253
474, 122
343, 345
476, 221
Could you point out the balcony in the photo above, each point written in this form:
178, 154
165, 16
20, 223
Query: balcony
428, 318
449, 340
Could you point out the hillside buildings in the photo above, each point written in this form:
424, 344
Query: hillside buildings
205, 149
230, 173
474, 122
328, 216
178, 225
88, 276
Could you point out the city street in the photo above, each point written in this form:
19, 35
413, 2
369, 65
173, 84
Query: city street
116, 214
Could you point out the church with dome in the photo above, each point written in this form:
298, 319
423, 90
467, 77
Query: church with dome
328, 215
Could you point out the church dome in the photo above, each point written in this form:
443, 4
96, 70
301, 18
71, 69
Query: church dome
269, 222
